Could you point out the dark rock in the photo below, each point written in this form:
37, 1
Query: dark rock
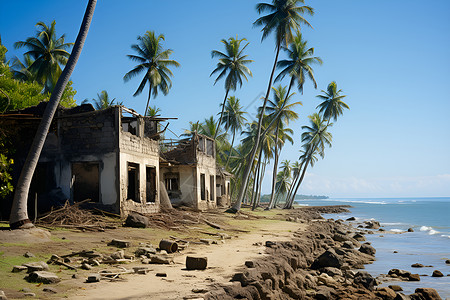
196, 263
367, 249
17, 269
120, 243
161, 274
144, 251
270, 244
399, 273
42, 277
381, 229
395, 252
93, 278
136, 220
410, 230
372, 224
348, 245
437, 273
417, 265
396, 288
50, 290
359, 237
447, 261
323, 294
428, 293
365, 279
351, 219
250, 264
28, 254
327, 259
414, 277
401, 296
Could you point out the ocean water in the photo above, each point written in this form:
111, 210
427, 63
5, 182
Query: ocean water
429, 244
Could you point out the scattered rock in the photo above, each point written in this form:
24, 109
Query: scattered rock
207, 241
250, 264
270, 244
118, 255
120, 243
426, 293
365, 279
75, 276
196, 263
396, 288
417, 265
414, 277
161, 274
372, 224
28, 254
36, 266
385, 293
410, 230
50, 290
160, 260
437, 273
28, 294
95, 277
359, 237
327, 259
447, 261
144, 251
26, 290
136, 220
17, 269
141, 270
43, 277
86, 266
351, 219
367, 249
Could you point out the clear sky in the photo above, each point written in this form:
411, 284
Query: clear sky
391, 59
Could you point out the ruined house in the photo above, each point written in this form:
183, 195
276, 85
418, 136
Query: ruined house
191, 176
110, 156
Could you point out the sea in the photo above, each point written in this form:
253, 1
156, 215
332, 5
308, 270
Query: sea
428, 245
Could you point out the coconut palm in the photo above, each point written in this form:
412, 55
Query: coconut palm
233, 119
332, 106
194, 127
285, 16
154, 62
280, 109
315, 138
21, 71
48, 52
299, 65
284, 177
19, 214
232, 64
153, 111
103, 101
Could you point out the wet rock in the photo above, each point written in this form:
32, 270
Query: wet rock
136, 220
386, 293
410, 230
414, 277
417, 265
437, 273
367, 249
196, 263
351, 219
327, 259
372, 224
120, 243
43, 277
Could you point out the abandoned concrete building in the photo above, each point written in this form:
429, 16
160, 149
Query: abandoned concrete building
191, 176
113, 157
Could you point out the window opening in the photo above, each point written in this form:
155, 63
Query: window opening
85, 181
133, 182
202, 187
150, 184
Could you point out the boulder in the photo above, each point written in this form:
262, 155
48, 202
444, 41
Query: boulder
414, 277
17, 269
347, 245
372, 224
359, 237
365, 279
447, 261
331, 271
42, 277
417, 265
386, 293
351, 219
401, 296
437, 273
367, 249
250, 264
410, 230
396, 288
28, 254
36, 266
136, 220
3, 296
327, 259
196, 263
427, 293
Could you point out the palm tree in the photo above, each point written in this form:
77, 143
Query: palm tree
153, 111
233, 119
154, 62
299, 64
283, 114
284, 17
21, 71
232, 64
19, 213
315, 138
332, 106
103, 101
283, 183
194, 127
48, 52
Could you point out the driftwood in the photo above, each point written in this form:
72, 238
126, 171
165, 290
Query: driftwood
213, 225
61, 263
81, 253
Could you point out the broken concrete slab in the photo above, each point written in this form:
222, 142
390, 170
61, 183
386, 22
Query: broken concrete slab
93, 278
43, 277
120, 243
196, 263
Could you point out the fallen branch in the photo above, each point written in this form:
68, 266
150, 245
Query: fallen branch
213, 225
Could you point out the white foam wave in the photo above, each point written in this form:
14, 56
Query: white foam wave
447, 236
392, 224
432, 232
397, 230
425, 228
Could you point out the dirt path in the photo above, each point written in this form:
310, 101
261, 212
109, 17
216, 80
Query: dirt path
223, 260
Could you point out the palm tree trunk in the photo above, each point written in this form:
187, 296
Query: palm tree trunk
237, 205
258, 198
221, 113
148, 100
231, 149
257, 175
19, 213
291, 188
299, 182
275, 168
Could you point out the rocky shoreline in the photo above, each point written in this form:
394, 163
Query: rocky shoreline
322, 262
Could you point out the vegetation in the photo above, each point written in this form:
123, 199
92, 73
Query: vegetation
154, 62
103, 101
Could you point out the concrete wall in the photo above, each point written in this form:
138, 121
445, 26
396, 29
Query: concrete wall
187, 184
206, 164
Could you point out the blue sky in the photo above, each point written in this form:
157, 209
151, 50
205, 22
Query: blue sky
391, 59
